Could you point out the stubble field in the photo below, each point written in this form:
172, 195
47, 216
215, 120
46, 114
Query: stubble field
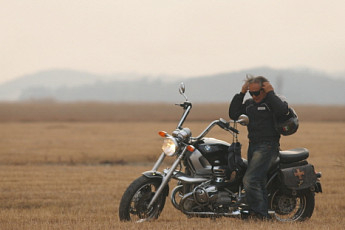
69, 168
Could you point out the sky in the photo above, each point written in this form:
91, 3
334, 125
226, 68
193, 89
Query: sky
170, 37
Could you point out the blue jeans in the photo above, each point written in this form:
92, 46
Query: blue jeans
260, 158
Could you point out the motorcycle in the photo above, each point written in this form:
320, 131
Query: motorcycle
209, 175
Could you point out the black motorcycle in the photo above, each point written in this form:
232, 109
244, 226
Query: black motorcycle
209, 175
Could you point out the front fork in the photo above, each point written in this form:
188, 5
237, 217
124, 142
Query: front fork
167, 177
158, 162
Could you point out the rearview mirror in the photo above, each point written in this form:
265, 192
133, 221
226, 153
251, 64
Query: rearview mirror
182, 89
243, 120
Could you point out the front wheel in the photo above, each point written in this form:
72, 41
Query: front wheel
135, 200
292, 208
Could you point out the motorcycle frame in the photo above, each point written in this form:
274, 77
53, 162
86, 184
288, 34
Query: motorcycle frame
187, 106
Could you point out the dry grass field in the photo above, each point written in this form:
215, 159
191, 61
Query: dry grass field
66, 166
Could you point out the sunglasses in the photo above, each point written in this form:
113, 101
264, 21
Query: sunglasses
256, 93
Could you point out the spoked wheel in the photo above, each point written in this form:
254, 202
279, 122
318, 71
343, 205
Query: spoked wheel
135, 200
292, 208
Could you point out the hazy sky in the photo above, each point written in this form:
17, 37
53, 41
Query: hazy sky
175, 37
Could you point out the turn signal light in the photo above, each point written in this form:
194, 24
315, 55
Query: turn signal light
162, 133
190, 148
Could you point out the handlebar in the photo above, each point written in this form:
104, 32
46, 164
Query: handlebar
221, 123
187, 106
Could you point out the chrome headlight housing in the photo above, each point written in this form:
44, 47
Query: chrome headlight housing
170, 146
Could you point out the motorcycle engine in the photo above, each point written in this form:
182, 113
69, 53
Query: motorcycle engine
210, 197
203, 195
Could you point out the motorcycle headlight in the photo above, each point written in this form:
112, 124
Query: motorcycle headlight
170, 146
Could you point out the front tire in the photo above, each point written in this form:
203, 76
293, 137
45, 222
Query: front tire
292, 208
134, 202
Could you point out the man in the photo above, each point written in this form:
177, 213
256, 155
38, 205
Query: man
263, 148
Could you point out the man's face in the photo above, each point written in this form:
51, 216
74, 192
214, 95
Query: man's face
257, 93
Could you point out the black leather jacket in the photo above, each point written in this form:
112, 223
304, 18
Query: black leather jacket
261, 125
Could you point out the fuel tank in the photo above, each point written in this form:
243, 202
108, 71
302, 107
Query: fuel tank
214, 150
209, 152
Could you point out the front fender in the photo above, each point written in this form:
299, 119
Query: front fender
157, 175
153, 174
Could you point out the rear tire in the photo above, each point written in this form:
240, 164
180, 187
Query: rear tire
134, 202
292, 208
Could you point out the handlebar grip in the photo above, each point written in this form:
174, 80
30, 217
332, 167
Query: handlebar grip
225, 125
185, 104
234, 130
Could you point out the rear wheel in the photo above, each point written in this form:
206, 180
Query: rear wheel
135, 200
292, 208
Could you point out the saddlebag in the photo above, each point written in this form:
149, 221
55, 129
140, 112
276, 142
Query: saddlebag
299, 177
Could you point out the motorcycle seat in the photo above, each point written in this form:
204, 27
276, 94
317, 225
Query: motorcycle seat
274, 164
293, 155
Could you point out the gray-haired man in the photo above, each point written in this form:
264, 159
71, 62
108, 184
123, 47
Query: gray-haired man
263, 138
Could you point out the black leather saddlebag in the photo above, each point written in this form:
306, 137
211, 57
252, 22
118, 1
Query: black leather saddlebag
299, 177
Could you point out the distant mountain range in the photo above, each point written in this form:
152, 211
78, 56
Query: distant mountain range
299, 86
